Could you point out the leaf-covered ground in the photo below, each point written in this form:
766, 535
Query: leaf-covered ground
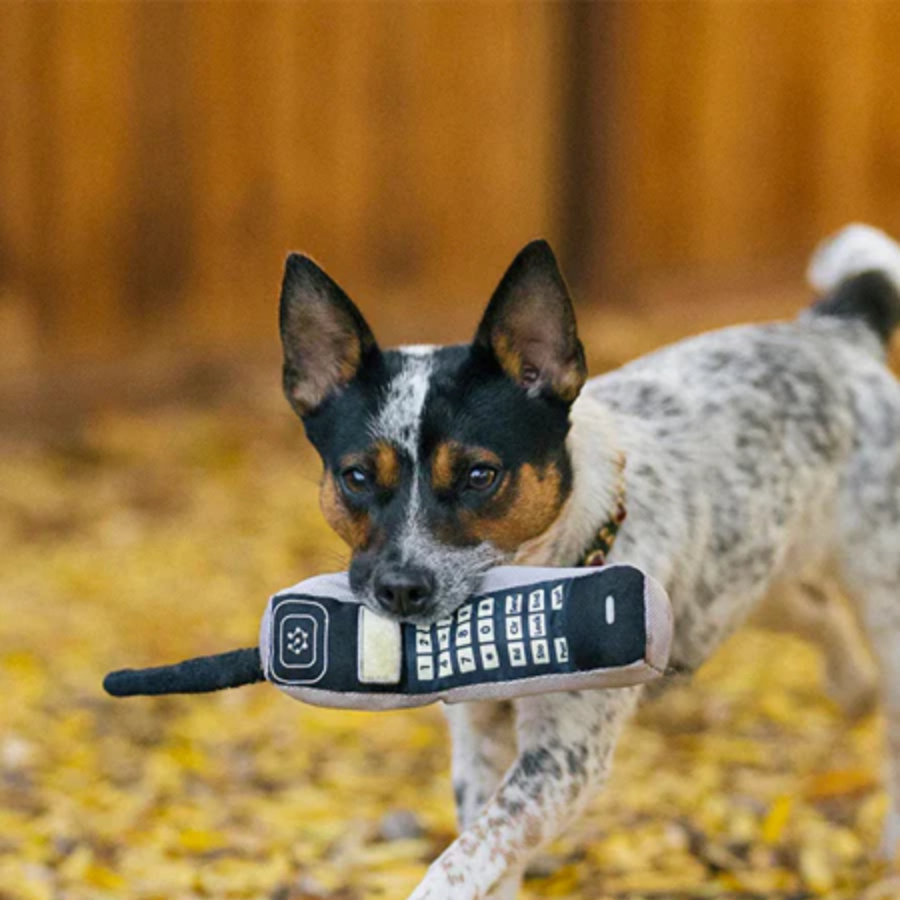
149, 538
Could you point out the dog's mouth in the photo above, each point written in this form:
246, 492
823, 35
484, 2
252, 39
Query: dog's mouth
423, 595
441, 605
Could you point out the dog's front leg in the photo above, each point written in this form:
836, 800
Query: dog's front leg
565, 750
484, 747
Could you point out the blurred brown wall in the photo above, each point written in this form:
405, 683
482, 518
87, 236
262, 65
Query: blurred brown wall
157, 160
733, 136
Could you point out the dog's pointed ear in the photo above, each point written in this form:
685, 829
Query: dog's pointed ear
529, 326
326, 340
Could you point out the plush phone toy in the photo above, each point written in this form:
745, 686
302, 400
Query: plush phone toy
526, 631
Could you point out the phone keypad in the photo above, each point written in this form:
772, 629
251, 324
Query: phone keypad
467, 641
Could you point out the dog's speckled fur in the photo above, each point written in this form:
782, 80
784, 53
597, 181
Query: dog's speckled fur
761, 460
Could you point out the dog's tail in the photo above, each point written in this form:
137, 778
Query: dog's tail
857, 272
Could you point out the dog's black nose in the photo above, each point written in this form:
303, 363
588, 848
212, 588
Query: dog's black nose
403, 591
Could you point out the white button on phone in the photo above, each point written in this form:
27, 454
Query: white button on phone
423, 642
466, 659
490, 659
513, 604
425, 668
517, 654
486, 630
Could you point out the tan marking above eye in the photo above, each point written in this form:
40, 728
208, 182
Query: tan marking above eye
387, 466
534, 506
352, 526
450, 457
443, 466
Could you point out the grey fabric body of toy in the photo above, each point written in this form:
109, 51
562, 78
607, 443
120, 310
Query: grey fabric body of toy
525, 631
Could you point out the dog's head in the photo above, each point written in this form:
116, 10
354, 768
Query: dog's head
439, 462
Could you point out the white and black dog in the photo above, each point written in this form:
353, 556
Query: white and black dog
757, 460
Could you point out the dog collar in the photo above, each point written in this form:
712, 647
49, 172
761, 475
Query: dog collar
599, 549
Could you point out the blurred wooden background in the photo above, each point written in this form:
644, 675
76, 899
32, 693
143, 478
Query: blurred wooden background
157, 161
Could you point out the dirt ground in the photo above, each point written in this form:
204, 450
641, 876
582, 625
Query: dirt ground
148, 537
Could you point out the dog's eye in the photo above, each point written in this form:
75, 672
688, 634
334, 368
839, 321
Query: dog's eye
480, 478
356, 479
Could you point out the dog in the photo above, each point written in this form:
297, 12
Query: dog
753, 461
